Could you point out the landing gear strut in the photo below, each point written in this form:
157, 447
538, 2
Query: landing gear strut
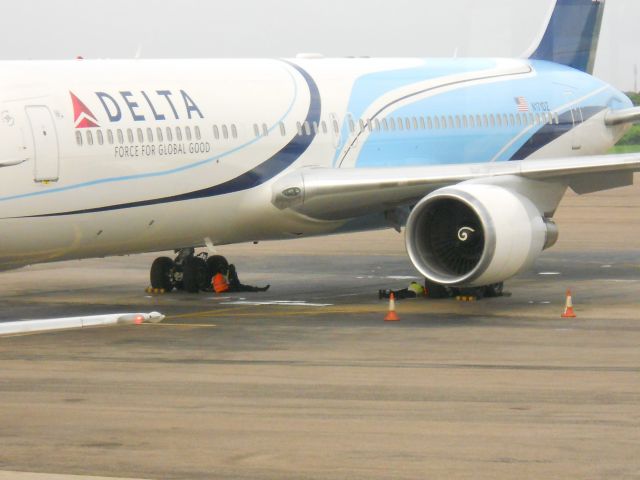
188, 271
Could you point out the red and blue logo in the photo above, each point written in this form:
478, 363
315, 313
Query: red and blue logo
82, 116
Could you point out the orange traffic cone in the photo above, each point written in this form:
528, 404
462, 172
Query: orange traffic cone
568, 309
392, 316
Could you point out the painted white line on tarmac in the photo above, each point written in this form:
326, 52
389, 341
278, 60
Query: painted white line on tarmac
279, 303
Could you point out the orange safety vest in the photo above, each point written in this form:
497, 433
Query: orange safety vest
220, 284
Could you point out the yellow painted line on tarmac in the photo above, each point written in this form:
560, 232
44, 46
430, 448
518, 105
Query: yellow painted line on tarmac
256, 311
282, 312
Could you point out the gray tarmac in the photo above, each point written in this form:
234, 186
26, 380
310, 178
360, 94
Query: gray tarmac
307, 381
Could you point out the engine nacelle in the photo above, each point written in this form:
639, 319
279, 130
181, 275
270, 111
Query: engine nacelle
475, 235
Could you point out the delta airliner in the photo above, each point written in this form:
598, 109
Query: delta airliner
472, 156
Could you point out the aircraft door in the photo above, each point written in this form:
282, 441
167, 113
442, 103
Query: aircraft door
576, 120
576, 115
46, 153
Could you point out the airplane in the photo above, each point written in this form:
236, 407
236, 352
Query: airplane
470, 156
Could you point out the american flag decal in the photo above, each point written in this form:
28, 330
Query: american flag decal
523, 105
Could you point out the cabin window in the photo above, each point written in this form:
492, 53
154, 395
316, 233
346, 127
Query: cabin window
110, 137
307, 128
283, 130
385, 125
323, 126
169, 134
352, 125
336, 127
187, 133
79, 138
130, 135
429, 123
89, 137
492, 120
400, 124
178, 134
120, 137
198, 134
436, 123
225, 132
159, 134
465, 121
140, 135
100, 137
299, 127
392, 124
256, 130
458, 122
149, 135
316, 128
443, 122
376, 124
234, 131
499, 120
423, 125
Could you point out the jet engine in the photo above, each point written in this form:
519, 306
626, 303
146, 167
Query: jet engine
472, 235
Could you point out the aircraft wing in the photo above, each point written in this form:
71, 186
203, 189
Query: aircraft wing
337, 194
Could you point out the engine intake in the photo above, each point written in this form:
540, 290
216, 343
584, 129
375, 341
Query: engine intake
474, 235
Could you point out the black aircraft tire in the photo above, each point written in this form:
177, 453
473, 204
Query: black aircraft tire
195, 275
435, 290
160, 275
494, 290
217, 264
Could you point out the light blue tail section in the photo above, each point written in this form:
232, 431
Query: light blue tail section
572, 35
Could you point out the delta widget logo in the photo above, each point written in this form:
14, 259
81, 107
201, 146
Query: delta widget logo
82, 116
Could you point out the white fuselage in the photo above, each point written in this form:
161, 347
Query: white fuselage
114, 157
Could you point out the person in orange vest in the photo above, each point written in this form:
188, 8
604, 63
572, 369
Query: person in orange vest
229, 282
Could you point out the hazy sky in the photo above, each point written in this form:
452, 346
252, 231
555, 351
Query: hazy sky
281, 28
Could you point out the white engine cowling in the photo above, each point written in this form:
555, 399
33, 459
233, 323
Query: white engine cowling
475, 235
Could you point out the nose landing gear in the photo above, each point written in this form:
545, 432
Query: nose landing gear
188, 271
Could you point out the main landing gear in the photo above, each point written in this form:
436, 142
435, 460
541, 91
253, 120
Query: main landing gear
188, 271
